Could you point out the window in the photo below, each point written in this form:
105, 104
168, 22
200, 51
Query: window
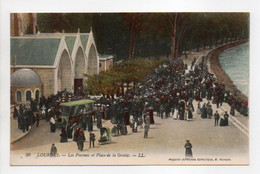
65, 110
18, 96
28, 95
79, 110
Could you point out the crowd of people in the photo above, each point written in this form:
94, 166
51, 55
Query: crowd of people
168, 92
171, 91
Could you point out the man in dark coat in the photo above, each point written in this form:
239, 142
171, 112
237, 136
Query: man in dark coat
84, 122
99, 118
76, 134
53, 150
23, 123
69, 130
15, 114
146, 130
80, 140
90, 123
216, 117
27, 120
91, 139
232, 110
210, 111
37, 119
19, 120
167, 109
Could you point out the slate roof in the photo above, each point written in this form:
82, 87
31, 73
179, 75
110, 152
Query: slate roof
25, 77
84, 40
70, 40
34, 51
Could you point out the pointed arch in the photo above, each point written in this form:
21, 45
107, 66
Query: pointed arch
92, 61
65, 72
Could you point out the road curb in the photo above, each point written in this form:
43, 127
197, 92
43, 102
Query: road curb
238, 124
21, 137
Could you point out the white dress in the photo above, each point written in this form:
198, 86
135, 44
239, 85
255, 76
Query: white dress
175, 114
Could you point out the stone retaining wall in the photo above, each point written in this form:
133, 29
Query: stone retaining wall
220, 73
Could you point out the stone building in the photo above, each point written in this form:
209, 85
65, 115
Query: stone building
59, 60
25, 84
105, 62
23, 23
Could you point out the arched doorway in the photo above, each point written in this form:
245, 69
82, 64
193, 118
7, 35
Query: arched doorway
92, 61
37, 95
28, 95
18, 96
79, 67
64, 73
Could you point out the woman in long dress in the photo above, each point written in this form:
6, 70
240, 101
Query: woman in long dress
63, 135
190, 115
151, 115
222, 121
188, 151
199, 108
175, 114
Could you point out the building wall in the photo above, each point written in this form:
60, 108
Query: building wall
105, 64
23, 91
47, 78
23, 23
109, 64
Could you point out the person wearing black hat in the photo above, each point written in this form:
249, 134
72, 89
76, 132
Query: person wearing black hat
188, 152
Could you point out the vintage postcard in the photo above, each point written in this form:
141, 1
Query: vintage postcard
137, 88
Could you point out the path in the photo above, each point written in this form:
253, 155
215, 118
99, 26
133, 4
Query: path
166, 140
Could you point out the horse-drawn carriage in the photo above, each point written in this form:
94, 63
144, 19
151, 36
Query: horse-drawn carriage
76, 111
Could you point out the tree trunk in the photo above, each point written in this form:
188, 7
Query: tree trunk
144, 47
127, 86
118, 90
222, 40
227, 38
176, 47
122, 88
191, 41
180, 41
198, 45
173, 36
216, 43
133, 49
131, 36
204, 42
133, 85
210, 37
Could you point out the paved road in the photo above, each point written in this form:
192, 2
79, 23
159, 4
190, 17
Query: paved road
166, 139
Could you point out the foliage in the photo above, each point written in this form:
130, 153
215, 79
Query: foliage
133, 70
149, 34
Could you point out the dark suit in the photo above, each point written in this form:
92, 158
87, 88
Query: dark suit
216, 116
